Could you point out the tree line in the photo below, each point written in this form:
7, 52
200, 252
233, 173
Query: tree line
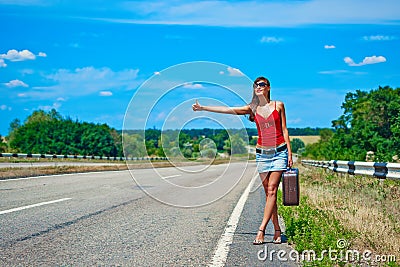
369, 125
50, 133
193, 143
188, 143
369, 128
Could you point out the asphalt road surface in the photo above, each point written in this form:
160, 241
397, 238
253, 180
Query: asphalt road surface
162, 217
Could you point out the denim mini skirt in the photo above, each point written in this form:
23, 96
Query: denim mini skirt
274, 161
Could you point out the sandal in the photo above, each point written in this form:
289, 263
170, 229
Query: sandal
257, 241
278, 240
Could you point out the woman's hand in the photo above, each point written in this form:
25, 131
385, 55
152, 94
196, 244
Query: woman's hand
290, 161
196, 106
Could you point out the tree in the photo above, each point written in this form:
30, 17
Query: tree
3, 145
370, 122
207, 148
150, 147
235, 145
296, 144
134, 146
15, 124
219, 139
48, 132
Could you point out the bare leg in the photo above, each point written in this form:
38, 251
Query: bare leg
274, 219
270, 183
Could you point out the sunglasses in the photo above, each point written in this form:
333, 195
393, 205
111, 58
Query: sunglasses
261, 84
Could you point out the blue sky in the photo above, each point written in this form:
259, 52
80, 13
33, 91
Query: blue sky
90, 60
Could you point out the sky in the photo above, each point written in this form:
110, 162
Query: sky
135, 64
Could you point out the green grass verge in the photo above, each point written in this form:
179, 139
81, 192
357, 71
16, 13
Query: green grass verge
319, 238
309, 229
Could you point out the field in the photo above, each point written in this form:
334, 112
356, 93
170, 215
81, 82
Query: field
307, 139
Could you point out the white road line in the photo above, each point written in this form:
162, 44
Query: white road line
34, 205
171, 176
226, 239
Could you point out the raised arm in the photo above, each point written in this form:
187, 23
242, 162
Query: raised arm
222, 109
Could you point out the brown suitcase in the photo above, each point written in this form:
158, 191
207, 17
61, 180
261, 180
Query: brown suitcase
291, 187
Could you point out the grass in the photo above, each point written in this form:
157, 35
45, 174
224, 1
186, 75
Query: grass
363, 211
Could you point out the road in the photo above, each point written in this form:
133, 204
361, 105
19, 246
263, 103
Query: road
172, 217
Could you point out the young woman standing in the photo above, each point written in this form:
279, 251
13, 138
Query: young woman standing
273, 152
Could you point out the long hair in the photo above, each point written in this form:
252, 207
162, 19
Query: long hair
255, 100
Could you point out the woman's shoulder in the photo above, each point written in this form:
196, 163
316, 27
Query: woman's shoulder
279, 103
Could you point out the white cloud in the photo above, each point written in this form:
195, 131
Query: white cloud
22, 95
349, 61
16, 83
374, 60
234, 72
367, 60
247, 13
105, 93
193, 85
379, 38
294, 121
157, 73
14, 55
88, 74
27, 71
5, 107
333, 71
271, 39
329, 47
55, 105
161, 116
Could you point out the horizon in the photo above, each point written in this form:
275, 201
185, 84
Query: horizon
169, 129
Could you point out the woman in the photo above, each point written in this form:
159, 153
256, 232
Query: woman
273, 152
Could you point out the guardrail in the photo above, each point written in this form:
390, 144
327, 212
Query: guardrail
52, 156
380, 170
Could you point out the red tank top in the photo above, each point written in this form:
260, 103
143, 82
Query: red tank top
269, 129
